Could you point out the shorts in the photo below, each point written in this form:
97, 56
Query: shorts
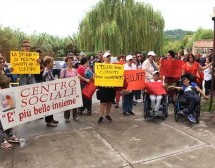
107, 95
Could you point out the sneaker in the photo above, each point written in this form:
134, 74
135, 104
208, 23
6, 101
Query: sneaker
13, 139
75, 115
109, 118
132, 113
134, 102
55, 121
6, 145
100, 120
192, 118
155, 113
139, 101
89, 113
51, 124
124, 113
117, 106
80, 112
75, 118
66, 120
185, 112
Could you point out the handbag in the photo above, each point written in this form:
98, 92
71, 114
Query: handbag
89, 90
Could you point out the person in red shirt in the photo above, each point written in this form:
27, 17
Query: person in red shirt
86, 75
194, 68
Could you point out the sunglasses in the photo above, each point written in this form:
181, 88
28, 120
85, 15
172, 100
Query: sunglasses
26, 46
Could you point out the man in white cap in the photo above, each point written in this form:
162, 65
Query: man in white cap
128, 98
107, 95
149, 66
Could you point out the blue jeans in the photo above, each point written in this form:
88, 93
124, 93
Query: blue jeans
137, 94
26, 80
193, 100
127, 102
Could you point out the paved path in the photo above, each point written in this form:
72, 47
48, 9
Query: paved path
129, 141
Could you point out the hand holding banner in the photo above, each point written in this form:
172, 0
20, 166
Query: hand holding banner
25, 62
171, 68
109, 75
155, 88
135, 79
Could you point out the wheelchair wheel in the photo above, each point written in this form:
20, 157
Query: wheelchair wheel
176, 114
165, 107
146, 109
197, 113
197, 120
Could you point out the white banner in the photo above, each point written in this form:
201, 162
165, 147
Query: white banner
22, 104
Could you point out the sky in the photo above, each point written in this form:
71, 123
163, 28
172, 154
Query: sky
62, 17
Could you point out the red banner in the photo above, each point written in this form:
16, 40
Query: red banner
89, 90
135, 79
171, 68
155, 88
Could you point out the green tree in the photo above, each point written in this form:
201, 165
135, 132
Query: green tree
200, 34
121, 26
10, 40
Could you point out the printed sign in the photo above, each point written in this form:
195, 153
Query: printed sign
135, 79
24, 62
22, 104
109, 75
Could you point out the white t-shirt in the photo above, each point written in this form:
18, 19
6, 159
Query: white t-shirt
132, 67
207, 73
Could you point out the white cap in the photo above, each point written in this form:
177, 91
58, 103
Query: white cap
129, 57
155, 72
151, 53
106, 54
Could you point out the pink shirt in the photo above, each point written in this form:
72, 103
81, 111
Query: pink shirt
66, 73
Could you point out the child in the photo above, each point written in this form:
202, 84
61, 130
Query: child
189, 88
155, 99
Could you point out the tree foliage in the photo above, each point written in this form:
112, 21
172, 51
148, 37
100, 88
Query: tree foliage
200, 34
50, 45
121, 26
173, 41
177, 34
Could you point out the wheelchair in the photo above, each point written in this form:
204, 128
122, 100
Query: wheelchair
163, 107
181, 104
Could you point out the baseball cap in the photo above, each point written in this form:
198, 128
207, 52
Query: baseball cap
129, 57
155, 72
151, 53
106, 54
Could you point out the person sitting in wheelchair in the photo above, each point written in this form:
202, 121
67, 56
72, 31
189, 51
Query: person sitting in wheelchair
155, 99
190, 90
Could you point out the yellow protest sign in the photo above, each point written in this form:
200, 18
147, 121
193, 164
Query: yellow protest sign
109, 75
24, 62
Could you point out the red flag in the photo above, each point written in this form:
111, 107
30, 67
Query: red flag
171, 68
155, 88
89, 90
135, 79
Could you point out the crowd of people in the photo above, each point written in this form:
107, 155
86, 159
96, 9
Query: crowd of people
83, 67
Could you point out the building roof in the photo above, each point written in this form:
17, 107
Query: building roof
203, 43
